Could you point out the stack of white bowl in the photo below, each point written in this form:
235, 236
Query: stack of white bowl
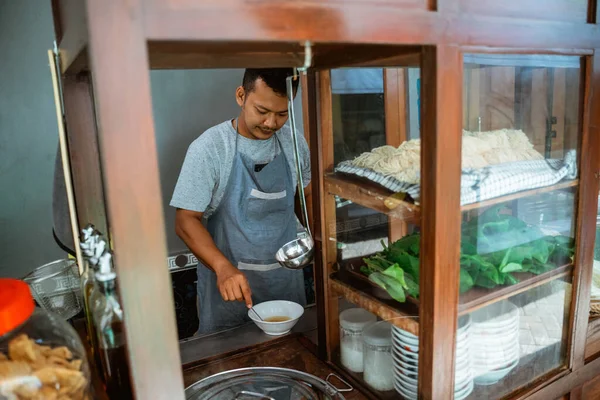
405, 353
494, 342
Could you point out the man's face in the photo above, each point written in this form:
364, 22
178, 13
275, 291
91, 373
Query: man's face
263, 110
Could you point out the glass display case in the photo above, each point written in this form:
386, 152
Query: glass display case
454, 155
518, 203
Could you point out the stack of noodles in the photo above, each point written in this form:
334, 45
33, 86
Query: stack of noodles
479, 149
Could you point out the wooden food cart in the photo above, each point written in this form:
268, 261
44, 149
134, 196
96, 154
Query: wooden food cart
532, 66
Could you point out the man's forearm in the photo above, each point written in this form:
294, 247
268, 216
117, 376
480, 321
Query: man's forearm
198, 240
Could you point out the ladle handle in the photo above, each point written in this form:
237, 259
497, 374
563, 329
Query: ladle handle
290, 98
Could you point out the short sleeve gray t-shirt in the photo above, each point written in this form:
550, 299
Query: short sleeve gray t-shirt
209, 160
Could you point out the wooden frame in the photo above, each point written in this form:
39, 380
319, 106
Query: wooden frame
119, 42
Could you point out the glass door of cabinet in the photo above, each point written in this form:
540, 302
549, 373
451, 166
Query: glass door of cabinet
519, 189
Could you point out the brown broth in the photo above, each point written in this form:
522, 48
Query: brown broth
277, 319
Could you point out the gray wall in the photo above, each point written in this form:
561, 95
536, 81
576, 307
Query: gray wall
185, 104
28, 137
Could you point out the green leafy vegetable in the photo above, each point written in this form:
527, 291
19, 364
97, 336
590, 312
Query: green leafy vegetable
493, 247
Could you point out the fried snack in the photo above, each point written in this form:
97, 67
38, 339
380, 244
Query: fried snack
57, 361
10, 369
75, 365
47, 393
61, 352
26, 391
47, 376
57, 375
22, 348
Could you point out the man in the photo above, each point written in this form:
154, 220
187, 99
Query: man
235, 204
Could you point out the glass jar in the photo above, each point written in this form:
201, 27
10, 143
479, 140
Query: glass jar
352, 323
41, 356
377, 362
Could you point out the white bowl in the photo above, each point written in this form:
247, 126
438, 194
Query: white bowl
495, 331
409, 372
402, 332
398, 361
462, 365
494, 376
462, 394
487, 364
408, 395
408, 353
406, 347
276, 308
406, 379
409, 387
404, 339
412, 361
495, 315
482, 369
464, 323
499, 343
460, 381
462, 336
499, 353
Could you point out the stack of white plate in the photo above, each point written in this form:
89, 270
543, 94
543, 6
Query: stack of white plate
405, 353
494, 342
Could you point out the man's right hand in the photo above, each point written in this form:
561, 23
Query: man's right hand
233, 285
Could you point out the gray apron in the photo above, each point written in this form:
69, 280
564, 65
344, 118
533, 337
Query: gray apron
253, 220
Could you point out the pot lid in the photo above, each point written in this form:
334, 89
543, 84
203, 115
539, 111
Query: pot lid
262, 384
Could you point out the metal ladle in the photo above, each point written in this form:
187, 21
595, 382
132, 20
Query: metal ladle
299, 252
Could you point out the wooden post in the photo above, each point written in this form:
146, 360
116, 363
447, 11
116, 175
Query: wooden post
440, 218
84, 152
119, 62
328, 242
394, 95
585, 234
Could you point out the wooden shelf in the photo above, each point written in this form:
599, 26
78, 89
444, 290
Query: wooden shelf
364, 295
519, 195
478, 297
369, 194
356, 284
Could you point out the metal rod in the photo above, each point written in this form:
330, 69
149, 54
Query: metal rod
64, 153
290, 95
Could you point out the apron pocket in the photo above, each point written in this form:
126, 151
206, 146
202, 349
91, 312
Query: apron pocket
267, 196
267, 212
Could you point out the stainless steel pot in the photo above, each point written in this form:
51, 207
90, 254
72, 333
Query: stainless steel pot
265, 383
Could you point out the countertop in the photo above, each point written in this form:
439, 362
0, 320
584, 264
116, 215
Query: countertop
287, 352
246, 336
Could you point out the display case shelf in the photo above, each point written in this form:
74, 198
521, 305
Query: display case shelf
371, 195
479, 297
364, 295
378, 198
473, 299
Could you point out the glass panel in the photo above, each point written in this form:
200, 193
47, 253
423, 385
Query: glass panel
378, 353
518, 197
595, 292
375, 113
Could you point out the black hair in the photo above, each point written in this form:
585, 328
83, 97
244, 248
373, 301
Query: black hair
272, 77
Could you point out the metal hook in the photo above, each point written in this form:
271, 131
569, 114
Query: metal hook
307, 59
